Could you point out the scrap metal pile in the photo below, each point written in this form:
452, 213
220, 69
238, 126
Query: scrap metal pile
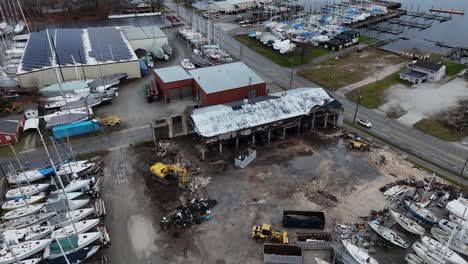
194, 213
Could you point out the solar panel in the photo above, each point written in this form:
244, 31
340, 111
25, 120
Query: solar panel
108, 44
69, 45
37, 53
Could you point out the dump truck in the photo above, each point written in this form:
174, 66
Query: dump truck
356, 145
303, 219
265, 233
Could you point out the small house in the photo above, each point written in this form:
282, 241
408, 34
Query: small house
333, 44
416, 53
31, 111
10, 129
424, 70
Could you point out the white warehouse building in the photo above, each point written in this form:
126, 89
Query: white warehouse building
81, 53
145, 37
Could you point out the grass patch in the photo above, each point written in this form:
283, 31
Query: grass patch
437, 129
334, 79
372, 93
367, 40
6, 150
453, 68
287, 60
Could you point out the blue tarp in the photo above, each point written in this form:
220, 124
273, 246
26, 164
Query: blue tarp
252, 34
143, 68
323, 19
298, 25
46, 171
308, 34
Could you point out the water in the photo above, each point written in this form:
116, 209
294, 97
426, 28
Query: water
452, 32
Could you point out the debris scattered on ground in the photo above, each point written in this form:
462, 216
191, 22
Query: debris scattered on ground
397, 166
317, 194
195, 212
198, 183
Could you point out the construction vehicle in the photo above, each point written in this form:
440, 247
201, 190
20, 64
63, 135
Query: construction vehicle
162, 170
111, 121
356, 145
265, 233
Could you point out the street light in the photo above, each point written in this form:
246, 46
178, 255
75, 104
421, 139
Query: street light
357, 107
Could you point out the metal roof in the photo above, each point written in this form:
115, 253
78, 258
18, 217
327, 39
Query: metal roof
414, 74
225, 77
223, 5
434, 65
172, 74
9, 124
148, 32
221, 119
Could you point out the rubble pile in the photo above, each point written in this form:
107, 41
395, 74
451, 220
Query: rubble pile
198, 183
390, 163
194, 213
317, 194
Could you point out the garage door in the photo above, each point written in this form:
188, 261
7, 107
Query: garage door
180, 93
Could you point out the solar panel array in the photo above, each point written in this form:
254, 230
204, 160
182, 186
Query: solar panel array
69, 43
108, 44
37, 53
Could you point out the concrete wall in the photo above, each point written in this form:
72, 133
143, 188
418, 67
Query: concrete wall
230, 95
42, 78
148, 44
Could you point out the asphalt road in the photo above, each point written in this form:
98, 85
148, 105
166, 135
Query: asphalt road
450, 156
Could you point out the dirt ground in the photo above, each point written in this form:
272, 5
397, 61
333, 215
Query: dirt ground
352, 68
275, 181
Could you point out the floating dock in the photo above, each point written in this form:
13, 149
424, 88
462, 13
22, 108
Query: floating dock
428, 16
385, 29
409, 23
453, 12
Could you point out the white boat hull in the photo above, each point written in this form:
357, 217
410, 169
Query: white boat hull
77, 227
24, 250
22, 212
26, 191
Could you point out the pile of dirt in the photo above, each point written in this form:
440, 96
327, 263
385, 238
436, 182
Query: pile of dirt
317, 194
392, 164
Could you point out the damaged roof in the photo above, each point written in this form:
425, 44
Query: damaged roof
221, 119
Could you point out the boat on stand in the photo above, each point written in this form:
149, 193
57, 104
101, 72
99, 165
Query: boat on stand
388, 235
407, 223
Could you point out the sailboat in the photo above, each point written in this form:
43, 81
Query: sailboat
29, 176
29, 233
77, 227
447, 254
413, 259
70, 244
75, 185
14, 204
186, 64
55, 197
72, 167
27, 221
428, 256
67, 218
23, 211
407, 223
31, 261
22, 250
422, 213
76, 257
26, 191
456, 244
359, 254
388, 235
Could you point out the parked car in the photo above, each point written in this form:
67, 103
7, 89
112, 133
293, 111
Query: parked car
364, 122
239, 18
206, 15
216, 15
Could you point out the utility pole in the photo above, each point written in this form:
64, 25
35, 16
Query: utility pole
291, 78
357, 107
463, 169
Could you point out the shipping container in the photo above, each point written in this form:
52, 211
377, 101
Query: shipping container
314, 240
75, 129
280, 253
304, 219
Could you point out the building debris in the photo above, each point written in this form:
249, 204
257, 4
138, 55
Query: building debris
195, 212
317, 194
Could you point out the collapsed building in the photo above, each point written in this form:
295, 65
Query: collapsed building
302, 109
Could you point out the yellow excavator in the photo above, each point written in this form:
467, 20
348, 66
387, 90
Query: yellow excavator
264, 233
161, 170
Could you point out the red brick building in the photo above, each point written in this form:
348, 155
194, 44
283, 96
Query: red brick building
210, 85
10, 129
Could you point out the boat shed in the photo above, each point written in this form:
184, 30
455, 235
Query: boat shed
266, 117
242, 5
81, 53
174, 83
10, 129
222, 7
226, 83
213, 85
145, 37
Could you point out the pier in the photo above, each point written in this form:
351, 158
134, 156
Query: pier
385, 29
452, 12
409, 23
428, 16
378, 19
